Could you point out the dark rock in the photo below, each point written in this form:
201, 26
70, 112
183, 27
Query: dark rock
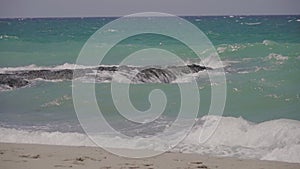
154, 75
197, 68
11, 81
106, 68
64, 74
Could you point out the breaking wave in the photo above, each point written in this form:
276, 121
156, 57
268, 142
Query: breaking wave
277, 140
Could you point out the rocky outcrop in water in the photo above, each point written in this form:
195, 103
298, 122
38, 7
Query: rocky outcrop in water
12, 81
65, 74
17, 79
154, 75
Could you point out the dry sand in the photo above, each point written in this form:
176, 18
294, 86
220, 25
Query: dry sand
30, 156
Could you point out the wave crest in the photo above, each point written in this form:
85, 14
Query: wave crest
235, 137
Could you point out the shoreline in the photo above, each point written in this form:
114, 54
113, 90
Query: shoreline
36, 156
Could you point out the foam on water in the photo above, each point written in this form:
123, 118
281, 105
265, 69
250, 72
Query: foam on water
10, 135
269, 42
277, 140
277, 57
35, 67
252, 23
6, 37
57, 101
5, 88
267, 140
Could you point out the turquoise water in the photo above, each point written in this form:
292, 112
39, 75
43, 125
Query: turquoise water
262, 54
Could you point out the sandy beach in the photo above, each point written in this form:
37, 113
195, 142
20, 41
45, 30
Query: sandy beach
31, 156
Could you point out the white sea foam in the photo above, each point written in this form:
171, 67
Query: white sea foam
5, 88
235, 137
238, 137
112, 30
6, 37
221, 49
279, 58
35, 67
230, 48
268, 42
252, 23
8, 135
213, 62
57, 101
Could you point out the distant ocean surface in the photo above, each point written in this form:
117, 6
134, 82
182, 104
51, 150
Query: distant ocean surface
262, 58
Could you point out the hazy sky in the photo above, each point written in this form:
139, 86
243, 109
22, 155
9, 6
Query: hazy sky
83, 8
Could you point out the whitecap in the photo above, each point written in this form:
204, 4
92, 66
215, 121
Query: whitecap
58, 67
57, 102
221, 49
268, 42
112, 30
6, 37
252, 23
277, 57
11, 135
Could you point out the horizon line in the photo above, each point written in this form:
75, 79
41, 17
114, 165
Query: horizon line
118, 16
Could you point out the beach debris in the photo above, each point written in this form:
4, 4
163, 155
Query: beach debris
30, 156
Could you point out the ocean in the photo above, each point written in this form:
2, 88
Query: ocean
260, 54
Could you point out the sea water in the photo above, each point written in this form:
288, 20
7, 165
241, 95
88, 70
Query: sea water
261, 55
